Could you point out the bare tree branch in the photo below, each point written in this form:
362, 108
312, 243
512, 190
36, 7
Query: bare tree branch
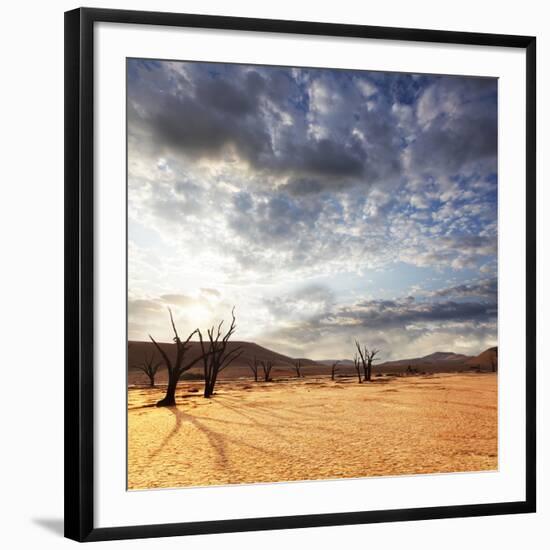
254, 364
217, 357
149, 367
266, 367
167, 361
177, 367
367, 359
357, 365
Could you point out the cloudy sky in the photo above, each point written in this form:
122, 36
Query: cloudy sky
326, 205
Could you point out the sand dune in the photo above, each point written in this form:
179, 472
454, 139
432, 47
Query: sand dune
485, 359
283, 364
313, 429
137, 351
439, 357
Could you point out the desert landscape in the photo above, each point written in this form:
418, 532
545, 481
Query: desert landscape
314, 425
312, 273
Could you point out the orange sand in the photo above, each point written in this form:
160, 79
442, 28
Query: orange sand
313, 428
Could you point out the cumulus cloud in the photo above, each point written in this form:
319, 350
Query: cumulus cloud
249, 185
464, 315
486, 288
177, 299
392, 313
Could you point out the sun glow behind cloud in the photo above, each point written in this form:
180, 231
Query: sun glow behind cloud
325, 205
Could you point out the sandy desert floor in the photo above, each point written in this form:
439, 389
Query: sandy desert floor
313, 429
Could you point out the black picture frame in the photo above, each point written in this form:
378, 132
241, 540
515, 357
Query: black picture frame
79, 265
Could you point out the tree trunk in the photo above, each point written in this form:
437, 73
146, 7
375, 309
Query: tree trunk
170, 398
213, 382
369, 371
209, 387
152, 382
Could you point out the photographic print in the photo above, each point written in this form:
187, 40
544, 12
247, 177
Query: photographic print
312, 274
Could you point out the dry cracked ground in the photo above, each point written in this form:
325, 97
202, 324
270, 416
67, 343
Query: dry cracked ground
313, 428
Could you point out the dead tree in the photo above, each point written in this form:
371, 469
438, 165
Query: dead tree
176, 367
150, 368
371, 358
254, 365
298, 368
334, 369
215, 355
367, 359
357, 365
363, 352
266, 367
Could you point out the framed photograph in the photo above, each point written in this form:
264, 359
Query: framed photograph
300, 274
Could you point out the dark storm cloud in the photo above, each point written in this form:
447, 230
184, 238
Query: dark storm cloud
322, 130
229, 98
475, 303
458, 119
485, 289
304, 186
243, 110
393, 324
326, 157
391, 313
188, 125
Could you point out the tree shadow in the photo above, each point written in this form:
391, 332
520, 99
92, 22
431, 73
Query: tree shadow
278, 421
214, 438
218, 441
173, 431
253, 421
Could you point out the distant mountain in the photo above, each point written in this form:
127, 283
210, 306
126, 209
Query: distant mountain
485, 358
282, 364
436, 358
341, 362
136, 351
432, 359
440, 361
